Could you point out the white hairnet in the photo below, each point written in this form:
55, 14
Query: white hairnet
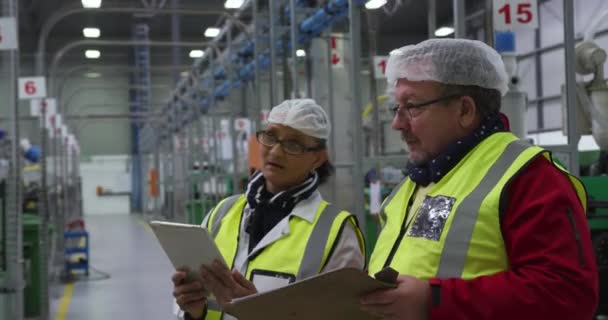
449, 61
304, 115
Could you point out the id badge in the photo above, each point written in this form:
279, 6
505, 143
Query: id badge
265, 280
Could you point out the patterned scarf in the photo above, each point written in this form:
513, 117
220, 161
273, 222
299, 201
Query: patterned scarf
435, 169
268, 209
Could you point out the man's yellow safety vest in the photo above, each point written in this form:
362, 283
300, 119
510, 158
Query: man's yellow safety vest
301, 254
455, 233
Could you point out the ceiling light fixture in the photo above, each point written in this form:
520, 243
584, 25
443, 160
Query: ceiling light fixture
212, 32
300, 53
233, 4
91, 32
444, 31
91, 3
375, 4
92, 75
92, 54
197, 53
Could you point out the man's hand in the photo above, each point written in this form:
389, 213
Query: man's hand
189, 295
225, 284
409, 301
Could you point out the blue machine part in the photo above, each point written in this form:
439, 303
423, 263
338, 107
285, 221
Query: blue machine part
219, 73
223, 90
247, 50
236, 59
505, 41
311, 27
32, 154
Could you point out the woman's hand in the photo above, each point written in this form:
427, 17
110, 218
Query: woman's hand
224, 284
190, 294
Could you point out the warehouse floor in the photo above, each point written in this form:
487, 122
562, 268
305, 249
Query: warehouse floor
139, 284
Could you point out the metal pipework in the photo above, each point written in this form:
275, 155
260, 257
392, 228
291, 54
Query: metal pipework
66, 11
114, 69
569, 42
354, 14
79, 90
118, 43
432, 18
459, 19
14, 239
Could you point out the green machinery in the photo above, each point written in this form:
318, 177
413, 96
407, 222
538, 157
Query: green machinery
597, 215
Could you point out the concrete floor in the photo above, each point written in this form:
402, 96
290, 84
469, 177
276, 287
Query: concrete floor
139, 286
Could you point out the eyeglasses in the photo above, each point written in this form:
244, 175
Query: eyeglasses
412, 110
289, 146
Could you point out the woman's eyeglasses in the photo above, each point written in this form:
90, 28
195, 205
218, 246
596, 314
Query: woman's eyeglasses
289, 146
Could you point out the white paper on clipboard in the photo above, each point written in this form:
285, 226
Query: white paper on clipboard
186, 245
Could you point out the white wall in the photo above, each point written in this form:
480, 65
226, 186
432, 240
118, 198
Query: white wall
110, 172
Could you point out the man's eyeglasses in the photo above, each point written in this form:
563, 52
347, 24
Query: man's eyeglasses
412, 110
289, 146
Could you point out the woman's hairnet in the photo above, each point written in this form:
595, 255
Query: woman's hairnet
304, 115
449, 61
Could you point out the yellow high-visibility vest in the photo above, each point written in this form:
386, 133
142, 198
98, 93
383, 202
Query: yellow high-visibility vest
455, 232
297, 256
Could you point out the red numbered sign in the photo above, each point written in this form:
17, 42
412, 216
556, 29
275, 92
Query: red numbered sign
32, 87
38, 106
515, 14
380, 67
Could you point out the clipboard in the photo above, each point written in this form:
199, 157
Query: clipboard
186, 245
329, 296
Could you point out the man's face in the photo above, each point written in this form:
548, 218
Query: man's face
427, 130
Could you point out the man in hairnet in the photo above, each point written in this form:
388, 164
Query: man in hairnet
485, 226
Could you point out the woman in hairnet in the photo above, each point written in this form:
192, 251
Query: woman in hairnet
281, 230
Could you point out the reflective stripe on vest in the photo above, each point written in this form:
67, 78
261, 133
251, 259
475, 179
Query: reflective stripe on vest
454, 254
221, 212
315, 248
388, 200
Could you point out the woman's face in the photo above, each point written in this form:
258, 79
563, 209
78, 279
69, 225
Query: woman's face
282, 169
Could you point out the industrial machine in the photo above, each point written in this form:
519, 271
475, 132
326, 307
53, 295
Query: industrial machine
592, 116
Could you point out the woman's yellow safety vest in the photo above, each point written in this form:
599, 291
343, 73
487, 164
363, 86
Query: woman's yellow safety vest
298, 256
455, 232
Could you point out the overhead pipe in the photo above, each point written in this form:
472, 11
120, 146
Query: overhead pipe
310, 27
69, 10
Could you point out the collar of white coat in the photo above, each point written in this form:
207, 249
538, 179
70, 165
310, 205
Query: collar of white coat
307, 208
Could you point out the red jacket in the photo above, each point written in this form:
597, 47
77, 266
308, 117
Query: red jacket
553, 272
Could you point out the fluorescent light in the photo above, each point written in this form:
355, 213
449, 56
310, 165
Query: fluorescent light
92, 75
300, 53
92, 54
197, 53
212, 32
91, 32
91, 3
444, 31
233, 4
375, 4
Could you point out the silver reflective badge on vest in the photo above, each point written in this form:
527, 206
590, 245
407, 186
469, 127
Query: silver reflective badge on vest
431, 217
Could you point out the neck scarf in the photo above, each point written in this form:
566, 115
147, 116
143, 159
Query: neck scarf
267, 209
435, 169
